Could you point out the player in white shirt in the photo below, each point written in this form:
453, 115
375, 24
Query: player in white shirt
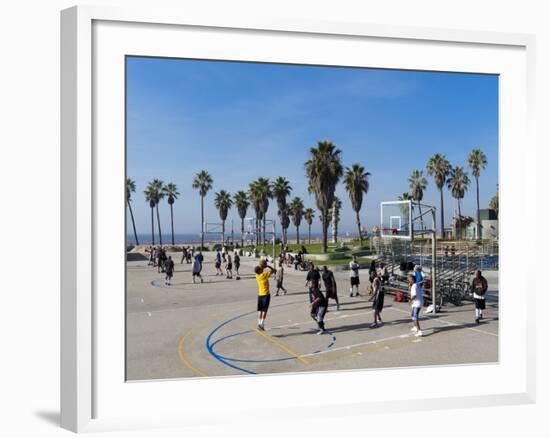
417, 301
354, 277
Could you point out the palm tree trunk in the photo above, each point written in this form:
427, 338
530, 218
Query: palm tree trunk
297, 235
325, 230
133, 222
441, 213
309, 233
202, 223
152, 227
158, 222
223, 233
242, 232
264, 229
358, 220
478, 216
172, 221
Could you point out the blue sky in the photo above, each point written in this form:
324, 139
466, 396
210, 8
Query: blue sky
241, 120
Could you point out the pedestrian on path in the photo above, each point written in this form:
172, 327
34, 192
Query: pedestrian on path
479, 288
417, 301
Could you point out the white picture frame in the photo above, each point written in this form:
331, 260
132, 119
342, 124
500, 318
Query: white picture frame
93, 397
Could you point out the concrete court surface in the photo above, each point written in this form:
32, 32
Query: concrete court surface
198, 330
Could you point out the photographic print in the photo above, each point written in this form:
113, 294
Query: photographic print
299, 218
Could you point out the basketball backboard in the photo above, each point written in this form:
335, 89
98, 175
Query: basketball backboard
396, 219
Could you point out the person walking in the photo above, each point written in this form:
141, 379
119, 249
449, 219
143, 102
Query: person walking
228, 266
331, 290
318, 304
479, 288
354, 277
378, 299
183, 254
218, 263
237, 263
262, 279
169, 270
196, 268
417, 301
279, 277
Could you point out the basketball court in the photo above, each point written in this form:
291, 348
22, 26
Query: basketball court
209, 329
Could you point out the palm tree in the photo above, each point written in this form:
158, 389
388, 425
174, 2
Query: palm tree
131, 188
324, 170
356, 183
309, 214
255, 196
296, 210
285, 222
223, 203
493, 203
477, 161
150, 198
458, 183
417, 185
335, 212
281, 189
155, 190
260, 191
242, 204
438, 167
203, 182
171, 191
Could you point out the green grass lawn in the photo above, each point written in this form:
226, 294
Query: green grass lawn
312, 248
317, 248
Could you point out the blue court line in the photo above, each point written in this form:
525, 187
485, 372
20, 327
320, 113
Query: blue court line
216, 356
232, 359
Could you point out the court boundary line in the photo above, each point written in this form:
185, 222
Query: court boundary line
184, 359
281, 345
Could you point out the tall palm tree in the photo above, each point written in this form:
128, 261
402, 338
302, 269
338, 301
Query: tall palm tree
438, 167
150, 198
171, 192
323, 170
281, 189
417, 185
261, 194
223, 203
242, 204
155, 190
296, 210
203, 182
458, 183
477, 161
335, 213
309, 214
255, 196
285, 222
131, 188
493, 203
356, 183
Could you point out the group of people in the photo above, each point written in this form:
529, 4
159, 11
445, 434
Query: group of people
225, 257
318, 302
163, 262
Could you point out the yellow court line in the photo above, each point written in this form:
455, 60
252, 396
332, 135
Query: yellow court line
281, 345
184, 360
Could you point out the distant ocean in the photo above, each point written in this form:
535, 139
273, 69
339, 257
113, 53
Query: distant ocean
188, 238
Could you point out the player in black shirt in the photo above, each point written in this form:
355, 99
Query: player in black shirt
318, 302
169, 269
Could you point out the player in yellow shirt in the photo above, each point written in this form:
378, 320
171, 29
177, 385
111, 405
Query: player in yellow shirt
262, 278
